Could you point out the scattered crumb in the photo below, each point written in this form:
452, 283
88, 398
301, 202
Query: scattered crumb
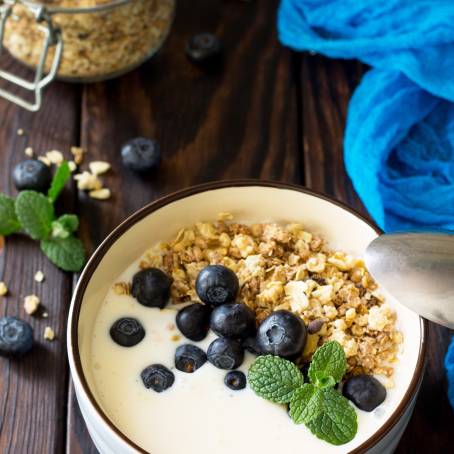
225, 216
45, 315
122, 288
55, 157
31, 304
100, 194
72, 166
171, 326
78, 154
88, 181
45, 160
176, 337
29, 152
3, 289
99, 167
39, 276
49, 333
20, 132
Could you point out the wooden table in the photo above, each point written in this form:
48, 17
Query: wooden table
265, 113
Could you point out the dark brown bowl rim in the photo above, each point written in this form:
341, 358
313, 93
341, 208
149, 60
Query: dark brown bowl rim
95, 259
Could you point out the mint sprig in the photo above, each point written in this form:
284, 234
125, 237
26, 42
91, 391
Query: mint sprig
34, 214
327, 414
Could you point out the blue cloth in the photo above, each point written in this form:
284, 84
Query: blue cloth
399, 138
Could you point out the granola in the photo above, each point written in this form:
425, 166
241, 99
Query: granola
287, 267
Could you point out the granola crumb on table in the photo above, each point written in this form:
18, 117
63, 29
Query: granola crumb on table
287, 267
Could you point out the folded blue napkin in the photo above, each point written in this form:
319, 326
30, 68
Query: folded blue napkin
399, 137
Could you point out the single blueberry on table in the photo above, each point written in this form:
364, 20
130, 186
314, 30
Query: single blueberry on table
157, 377
141, 155
194, 321
33, 175
127, 332
216, 285
151, 287
16, 337
233, 320
189, 358
282, 334
365, 391
203, 47
235, 380
225, 353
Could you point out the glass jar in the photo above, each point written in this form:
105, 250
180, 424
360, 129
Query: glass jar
81, 40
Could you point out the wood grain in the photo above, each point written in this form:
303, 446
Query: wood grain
234, 121
33, 390
326, 88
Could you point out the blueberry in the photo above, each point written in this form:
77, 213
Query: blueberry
127, 332
217, 285
157, 377
203, 47
194, 321
282, 334
365, 391
236, 321
151, 287
250, 344
235, 380
189, 358
225, 353
33, 175
141, 154
16, 337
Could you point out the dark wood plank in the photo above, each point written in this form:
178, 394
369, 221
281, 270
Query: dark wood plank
33, 390
236, 121
326, 89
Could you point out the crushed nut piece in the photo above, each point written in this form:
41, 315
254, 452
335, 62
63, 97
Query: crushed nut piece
3, 289
176, 337
49, 333
45, 159
39, 276
72, 166
99, 167
78, 154
29, 152
100, 194
87, 181
122, 288
31, 304
55, 157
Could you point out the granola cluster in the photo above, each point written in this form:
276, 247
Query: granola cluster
287, 267
96, 45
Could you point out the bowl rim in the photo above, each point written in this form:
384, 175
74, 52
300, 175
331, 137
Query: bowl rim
101, 250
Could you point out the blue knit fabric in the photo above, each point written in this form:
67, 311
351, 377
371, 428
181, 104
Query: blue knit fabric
399, 138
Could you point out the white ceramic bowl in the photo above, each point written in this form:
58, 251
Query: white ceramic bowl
249, 201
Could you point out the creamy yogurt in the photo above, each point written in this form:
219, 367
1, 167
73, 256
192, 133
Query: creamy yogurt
199, 414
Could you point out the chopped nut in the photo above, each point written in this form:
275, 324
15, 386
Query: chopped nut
29, 152
20, 132
39, 276
31, 304
45, 159
176, 337
78, 154
49, 333
88, 181
98, 167
225, 216
3, 289
100, 194
72, 166
122, 288
55, 157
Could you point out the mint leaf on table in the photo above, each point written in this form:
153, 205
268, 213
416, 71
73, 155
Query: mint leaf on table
274, 378
65, 225
328, 361
337, 423
305, 404
67, 253
62, 175
8, 220
35, 213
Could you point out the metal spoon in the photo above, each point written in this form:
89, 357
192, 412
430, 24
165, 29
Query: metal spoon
418, 270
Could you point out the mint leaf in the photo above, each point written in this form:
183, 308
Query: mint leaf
65, 225
67, 253
337, 422
328, 360
8, 219
35, 213
62, 175
305, 404
274, 378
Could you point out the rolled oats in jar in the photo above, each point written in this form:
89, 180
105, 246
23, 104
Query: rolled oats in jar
101, 38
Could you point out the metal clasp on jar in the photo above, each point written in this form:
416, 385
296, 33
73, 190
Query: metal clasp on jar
52, 38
